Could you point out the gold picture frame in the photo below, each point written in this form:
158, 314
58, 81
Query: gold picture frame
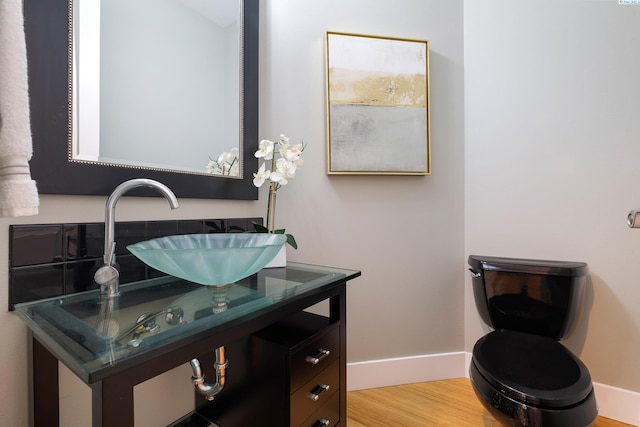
377, 101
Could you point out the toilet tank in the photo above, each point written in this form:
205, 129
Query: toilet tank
533, 296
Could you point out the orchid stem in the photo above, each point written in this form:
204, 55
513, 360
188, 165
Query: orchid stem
271, 208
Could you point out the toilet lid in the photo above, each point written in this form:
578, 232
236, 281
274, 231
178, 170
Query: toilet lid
532, 369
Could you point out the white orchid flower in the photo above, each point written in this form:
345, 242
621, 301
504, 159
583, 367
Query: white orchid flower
260, 176
278, 179
293, 154
284, 140
285, 170
265, 149
283, 145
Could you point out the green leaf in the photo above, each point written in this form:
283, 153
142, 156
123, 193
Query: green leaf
260, 228
292, 241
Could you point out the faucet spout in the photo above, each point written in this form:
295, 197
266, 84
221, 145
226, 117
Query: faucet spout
107, 276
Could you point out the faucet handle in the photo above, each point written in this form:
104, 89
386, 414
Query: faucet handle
108, 256
106, 275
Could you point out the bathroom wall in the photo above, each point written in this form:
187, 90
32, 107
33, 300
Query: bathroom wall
540, 161
551, 158
404, 233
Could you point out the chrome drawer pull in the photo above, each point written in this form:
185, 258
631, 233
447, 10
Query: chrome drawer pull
322, 422
317, 358
317, 392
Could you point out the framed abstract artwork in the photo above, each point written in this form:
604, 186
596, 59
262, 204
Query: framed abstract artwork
377, 93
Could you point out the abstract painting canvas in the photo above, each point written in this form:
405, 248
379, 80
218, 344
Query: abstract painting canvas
377, 105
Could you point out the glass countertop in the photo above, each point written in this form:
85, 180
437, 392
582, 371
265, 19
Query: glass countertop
93, 335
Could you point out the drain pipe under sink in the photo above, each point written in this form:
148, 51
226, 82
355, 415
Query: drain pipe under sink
210, 390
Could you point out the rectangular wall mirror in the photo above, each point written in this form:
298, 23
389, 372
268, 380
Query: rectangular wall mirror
153, 88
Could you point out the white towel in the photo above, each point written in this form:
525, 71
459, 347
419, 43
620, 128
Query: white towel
18, 193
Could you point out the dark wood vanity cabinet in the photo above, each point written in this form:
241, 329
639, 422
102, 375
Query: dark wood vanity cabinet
291, 376
287, 366
307, 348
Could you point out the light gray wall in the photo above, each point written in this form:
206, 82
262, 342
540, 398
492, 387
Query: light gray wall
552, 124
547, 170
404, 233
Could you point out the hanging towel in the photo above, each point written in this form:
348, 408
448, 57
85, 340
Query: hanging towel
18, 193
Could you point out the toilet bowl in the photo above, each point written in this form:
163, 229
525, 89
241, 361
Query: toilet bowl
520, 371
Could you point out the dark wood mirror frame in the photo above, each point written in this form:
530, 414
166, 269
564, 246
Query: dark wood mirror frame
47, 36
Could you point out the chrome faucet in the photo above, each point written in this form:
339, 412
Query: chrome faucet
108, 276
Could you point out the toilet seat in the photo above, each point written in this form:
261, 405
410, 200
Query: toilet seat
532, 369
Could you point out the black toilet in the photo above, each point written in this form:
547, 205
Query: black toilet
520, 372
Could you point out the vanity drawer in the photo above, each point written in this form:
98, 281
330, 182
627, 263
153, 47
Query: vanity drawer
314, 357
285, 353
315, 393
327, 416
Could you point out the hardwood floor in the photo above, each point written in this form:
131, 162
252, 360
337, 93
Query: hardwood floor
450, 403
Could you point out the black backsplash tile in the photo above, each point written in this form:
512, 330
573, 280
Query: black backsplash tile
239, 225
50, 260
131, 269
83, 241
78, 275
161, 228
33, 245
215, 226
35, 282
191, 227
128, 233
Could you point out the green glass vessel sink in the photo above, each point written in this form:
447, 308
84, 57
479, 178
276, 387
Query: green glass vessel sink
210, 259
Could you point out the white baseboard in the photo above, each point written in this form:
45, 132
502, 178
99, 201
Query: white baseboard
618, 404
404, 370
615, 403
